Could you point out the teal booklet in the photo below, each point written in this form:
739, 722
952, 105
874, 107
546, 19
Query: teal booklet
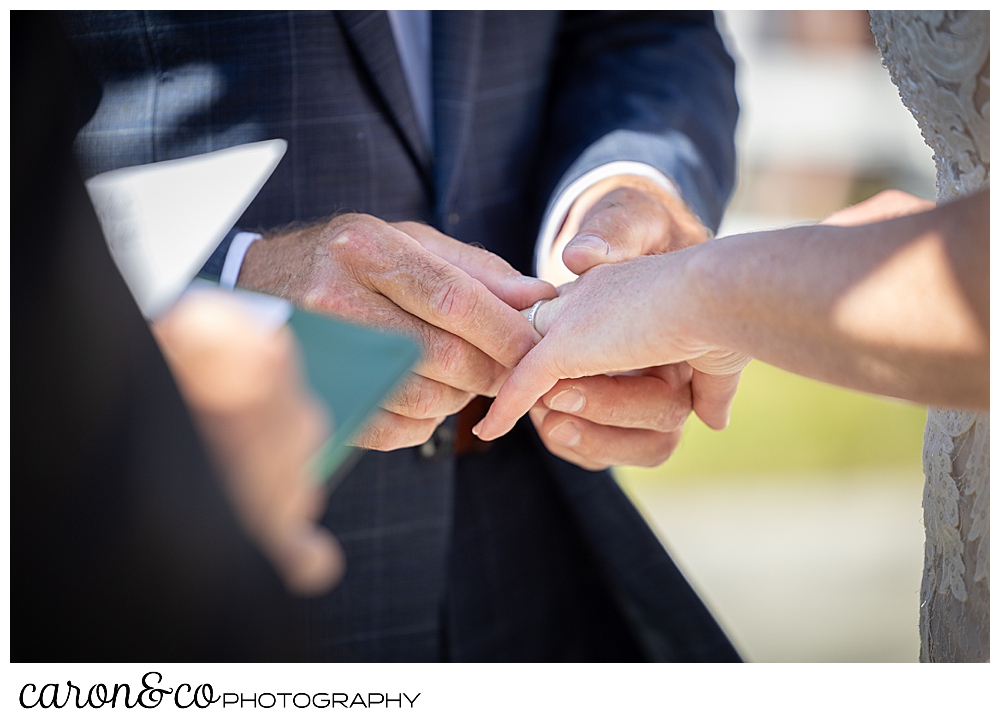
351, 369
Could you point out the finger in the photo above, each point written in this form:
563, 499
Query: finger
633, 402
386, 431
528, 381
629, 222
595, 446
545, 314
422, 398
505, 282
456, 363
712, 397
443, 295
445, 358
309, 560
537, 414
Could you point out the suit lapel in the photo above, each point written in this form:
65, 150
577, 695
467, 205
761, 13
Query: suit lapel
371, 35
456, 49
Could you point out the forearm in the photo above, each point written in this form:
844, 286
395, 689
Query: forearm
899, 308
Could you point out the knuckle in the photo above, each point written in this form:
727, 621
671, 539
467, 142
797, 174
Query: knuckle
358, 240
320, 297
452, 301
400, 398
429, 340
671, 415
385, 435
494, 263
453, 356
425, 400
373, 436
349, 231
390, 432
345, 298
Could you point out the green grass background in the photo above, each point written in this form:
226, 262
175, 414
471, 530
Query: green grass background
784, 424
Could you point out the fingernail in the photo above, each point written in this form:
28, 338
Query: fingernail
591, 243
566, 434
570, 400
475, 430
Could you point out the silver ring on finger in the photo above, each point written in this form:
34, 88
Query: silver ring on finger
533, 311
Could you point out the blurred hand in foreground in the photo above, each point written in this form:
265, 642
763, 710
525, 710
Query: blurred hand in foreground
261, 426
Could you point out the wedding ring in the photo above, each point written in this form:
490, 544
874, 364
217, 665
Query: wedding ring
531, 314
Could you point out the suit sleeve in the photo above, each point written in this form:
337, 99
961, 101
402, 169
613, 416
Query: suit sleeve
651, 87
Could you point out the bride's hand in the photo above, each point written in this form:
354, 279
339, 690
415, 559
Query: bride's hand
619, 318
880, 207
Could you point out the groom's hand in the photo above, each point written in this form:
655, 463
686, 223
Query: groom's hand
459, 302
597, 422
623, 217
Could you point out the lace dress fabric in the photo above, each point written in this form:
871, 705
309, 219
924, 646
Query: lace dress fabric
940, 62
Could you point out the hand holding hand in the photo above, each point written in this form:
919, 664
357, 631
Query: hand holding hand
457, 300
599, 421
617, 318
260, 425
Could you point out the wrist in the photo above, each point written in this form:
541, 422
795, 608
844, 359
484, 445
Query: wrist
256, 272
270, 264
235, 255
690, 277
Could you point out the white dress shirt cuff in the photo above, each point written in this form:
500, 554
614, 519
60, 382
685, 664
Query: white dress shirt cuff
234, 258
548, 257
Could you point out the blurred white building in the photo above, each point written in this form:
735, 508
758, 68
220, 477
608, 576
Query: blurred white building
821, 125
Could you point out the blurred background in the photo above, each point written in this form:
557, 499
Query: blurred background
800, 524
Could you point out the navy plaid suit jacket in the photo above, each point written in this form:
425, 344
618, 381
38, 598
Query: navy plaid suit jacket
511, 554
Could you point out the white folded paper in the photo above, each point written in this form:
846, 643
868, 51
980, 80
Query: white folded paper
163, 220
